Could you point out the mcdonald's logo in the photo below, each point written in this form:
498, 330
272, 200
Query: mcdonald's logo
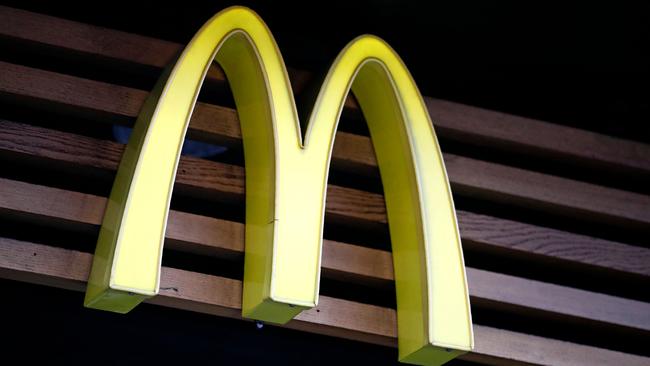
286, 179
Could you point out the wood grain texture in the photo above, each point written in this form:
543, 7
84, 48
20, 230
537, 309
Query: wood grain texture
41, 264
212, 179
468, 177
204, 235
521, 238
500, 183
476, 229
452, 120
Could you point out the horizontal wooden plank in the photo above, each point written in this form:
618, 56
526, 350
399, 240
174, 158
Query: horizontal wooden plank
452, 120
61, 147
469, 177
482, 231
186, 290
204, 235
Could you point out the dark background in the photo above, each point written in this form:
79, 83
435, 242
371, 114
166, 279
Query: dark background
49, 325
581, 64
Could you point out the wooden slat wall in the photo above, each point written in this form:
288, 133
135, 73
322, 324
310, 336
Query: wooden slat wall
81, 105
483, 179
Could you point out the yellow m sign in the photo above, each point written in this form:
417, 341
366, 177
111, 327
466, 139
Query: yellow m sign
286, 179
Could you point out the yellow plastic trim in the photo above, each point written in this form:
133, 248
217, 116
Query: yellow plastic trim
286, 181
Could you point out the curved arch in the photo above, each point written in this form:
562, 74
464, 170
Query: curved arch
286, 182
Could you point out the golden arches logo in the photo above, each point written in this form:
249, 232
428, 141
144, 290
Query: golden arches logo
286, 180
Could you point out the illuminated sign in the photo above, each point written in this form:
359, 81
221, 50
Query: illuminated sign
286, 181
